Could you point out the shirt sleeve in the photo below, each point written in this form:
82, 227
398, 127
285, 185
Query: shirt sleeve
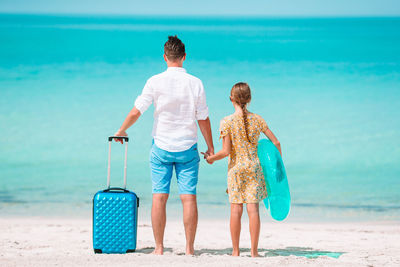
143, 102
264, 126
201, 107
223, 129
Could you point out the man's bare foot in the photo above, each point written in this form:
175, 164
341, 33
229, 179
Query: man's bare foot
255, 255
158, 251
235, 253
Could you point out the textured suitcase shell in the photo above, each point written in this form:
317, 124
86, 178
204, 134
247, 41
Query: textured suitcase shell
115, 221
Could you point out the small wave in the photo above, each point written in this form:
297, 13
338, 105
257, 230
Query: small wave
7, 197
376, 208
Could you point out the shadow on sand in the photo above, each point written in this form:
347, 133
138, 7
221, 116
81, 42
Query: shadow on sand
289, 251
149, 250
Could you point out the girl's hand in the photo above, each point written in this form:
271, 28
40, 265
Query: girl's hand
207, 157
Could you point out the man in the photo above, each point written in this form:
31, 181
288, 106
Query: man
179, 100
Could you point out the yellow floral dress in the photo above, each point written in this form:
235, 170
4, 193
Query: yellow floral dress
246, 183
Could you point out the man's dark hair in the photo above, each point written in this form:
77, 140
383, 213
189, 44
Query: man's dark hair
174, 49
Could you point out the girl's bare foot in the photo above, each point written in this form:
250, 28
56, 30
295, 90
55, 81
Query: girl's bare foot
189, 251
158, 251
235, 253
255, 255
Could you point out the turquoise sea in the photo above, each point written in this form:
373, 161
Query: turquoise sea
329, 89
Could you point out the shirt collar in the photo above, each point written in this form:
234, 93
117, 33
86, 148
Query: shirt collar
176, 69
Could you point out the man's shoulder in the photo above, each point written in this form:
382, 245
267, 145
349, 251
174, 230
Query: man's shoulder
156, 77
192, 77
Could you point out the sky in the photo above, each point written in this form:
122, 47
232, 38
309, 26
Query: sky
207, 7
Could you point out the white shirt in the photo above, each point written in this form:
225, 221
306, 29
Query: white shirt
179, 101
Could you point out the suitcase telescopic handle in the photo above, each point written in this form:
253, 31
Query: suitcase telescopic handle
110, 138
116, 189
125, 138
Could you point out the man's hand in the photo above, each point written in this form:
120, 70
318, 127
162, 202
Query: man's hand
120, 133
210, 151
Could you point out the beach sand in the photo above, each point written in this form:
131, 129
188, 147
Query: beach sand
68, 242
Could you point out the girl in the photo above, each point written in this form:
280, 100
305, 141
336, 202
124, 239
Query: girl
246, 184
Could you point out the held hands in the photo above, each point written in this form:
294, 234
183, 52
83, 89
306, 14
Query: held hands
120, 133
208, 156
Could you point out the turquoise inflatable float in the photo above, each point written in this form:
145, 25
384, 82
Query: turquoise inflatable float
278, 199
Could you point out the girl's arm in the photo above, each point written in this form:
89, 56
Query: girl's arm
224, 152
273, 139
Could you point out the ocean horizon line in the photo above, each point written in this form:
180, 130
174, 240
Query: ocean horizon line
200, 16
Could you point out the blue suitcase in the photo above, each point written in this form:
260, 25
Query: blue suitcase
115, 214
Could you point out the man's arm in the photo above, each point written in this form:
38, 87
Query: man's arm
205, 128
132, 117
142, 103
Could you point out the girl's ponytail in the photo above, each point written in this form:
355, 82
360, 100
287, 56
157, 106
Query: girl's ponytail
245, 121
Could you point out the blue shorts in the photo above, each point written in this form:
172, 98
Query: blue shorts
186, 165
